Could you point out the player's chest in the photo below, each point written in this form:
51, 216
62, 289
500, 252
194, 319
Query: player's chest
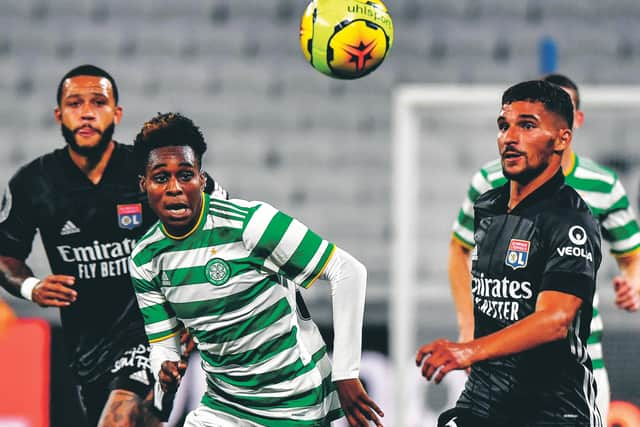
80, 213
508, 246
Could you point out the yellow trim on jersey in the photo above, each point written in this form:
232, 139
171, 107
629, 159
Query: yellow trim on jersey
462, 242
333, 250
172, 334
190, 232
626, 254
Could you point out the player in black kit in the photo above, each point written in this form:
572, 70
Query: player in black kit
85, 201
533, 280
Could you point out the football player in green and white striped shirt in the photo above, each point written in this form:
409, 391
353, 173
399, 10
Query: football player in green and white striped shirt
606, 197
227, 270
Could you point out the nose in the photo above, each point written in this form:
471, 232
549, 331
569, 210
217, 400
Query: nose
173, 187
87, 112
509, 136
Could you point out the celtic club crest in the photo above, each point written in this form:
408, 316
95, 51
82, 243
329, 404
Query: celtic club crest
217, 271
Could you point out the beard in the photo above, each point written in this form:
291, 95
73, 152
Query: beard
93, 153
525, 176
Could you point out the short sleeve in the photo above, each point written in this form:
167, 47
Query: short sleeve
573, 256
17, 228
160, 320
286, 246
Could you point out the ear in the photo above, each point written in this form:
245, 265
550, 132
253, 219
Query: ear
143, 184
117, 116
578, 119
563, 141
58, 115
203, 181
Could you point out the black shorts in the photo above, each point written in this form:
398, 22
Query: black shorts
458, 417
131, 371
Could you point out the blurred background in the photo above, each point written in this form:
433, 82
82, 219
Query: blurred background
321, 149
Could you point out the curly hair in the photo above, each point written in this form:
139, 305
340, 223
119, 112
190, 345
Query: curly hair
167, 130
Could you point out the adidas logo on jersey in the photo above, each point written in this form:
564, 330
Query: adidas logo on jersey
69, 228
140, 376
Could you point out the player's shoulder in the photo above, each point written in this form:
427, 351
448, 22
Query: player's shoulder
40, 168
566, 206
491, 198
146, 244
589, 169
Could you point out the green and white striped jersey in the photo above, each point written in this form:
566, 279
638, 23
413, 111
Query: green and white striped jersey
224, 282
605, 195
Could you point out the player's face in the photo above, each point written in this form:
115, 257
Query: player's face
174, 184
530, 140
88, 113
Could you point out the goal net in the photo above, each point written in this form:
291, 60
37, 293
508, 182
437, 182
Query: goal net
441, 135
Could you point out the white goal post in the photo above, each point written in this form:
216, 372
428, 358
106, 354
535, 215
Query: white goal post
409, 104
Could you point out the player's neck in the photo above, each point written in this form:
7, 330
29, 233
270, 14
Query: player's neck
93, 168
567, 160
519, 192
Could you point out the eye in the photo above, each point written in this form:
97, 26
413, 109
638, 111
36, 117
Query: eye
502, 126
185, 175
100, 102
73, 104
527, 125
159, 178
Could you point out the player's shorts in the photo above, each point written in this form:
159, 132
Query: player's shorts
131, 371
203, 416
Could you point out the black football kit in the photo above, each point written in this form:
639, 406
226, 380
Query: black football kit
88, 231
548, 242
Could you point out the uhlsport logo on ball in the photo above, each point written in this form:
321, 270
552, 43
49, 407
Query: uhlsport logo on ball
346, 39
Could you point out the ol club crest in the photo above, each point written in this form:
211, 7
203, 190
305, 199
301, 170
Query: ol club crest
130, 216
517, 254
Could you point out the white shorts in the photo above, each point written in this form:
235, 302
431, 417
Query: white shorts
203, 416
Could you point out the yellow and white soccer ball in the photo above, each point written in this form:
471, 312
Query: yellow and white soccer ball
346, 39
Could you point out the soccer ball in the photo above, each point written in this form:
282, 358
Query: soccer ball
346, 39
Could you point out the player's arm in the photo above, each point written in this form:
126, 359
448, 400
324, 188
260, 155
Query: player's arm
17, 230
460, 282
348, 280
620, 229
551, 321
458, 262
303, 256
52, 291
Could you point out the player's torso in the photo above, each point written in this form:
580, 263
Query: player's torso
88, 231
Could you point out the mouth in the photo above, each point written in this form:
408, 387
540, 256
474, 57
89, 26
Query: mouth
177, 210
511, 155
86, 131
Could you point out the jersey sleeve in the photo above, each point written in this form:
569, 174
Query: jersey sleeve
619, 223
463, 225
573, 256
17, 227
160, 320
286, 246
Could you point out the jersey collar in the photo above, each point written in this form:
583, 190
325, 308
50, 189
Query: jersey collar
198, 225
543, 192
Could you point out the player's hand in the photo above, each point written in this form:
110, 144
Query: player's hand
55, 291
443, 356
187, 344
171, 374
358, 407
627, 296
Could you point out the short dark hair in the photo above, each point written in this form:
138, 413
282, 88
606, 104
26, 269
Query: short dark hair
87, 70
167, 130
564, 81
554, 98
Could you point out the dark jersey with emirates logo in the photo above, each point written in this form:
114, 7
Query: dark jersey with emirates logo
88, 231
548, 242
